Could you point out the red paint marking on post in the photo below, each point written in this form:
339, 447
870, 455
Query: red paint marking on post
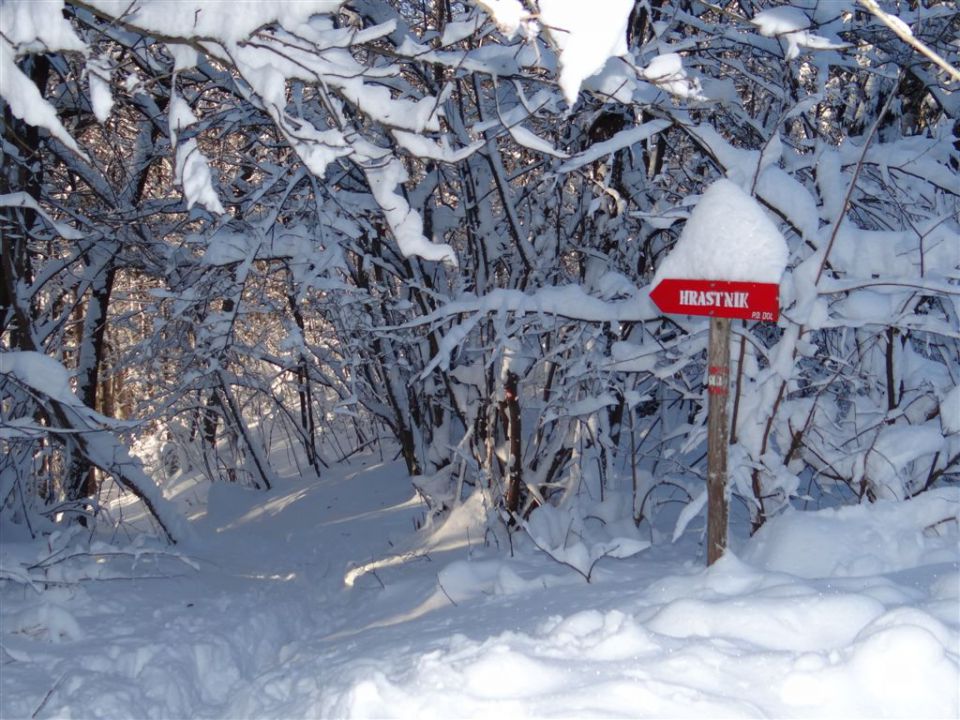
717, 379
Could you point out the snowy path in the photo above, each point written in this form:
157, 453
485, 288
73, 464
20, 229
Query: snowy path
267, 628
195, 643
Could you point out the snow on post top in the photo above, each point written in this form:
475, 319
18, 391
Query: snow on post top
728, 237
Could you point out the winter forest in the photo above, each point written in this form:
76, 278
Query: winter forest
331, 384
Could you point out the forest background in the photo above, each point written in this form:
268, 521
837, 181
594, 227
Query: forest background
431, 227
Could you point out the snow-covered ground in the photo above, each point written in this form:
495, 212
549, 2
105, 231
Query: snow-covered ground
320, 599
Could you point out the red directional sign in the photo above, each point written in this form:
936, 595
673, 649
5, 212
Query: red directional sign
718, 298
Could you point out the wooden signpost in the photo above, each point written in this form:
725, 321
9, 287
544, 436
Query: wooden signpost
721, 301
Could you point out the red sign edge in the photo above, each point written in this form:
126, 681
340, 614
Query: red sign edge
768, 294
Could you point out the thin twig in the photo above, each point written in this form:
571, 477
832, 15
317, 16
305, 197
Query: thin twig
46, 698
444, 591
903, 31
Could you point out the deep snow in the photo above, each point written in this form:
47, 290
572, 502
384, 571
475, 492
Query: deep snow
320, 599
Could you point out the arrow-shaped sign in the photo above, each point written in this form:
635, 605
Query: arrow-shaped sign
718, 298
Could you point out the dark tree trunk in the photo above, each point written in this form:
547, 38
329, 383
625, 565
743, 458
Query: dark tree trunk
511, 413
304, 391
82, 475
22, 171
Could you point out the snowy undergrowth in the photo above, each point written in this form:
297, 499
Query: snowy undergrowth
319, 599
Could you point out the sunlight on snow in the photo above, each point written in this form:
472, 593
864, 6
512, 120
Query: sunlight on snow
274, 507
459, 530
412, 502
434, 602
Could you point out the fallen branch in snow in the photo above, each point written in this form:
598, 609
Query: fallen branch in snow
86, 564
588, 574
932, 528
560, 555
54, 560
18, 574
639, 517
46, 698
444, 591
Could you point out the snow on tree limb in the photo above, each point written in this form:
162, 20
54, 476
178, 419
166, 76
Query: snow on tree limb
189, 19
191, 169
384, 176
569, 301
903, 31
99, 70
586, 36
92, 432
194, 175
22, 199
791, 24
623, 139
439, 150
32, 27
305, 46
509, 15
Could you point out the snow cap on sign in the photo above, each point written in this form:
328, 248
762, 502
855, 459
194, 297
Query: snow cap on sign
728, 237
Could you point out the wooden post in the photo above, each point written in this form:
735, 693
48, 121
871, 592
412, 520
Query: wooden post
718, 390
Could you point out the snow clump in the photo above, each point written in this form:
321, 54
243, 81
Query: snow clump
728, 237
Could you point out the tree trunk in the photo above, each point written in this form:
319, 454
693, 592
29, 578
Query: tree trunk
82, 480
511, 412
718, 388
304, 392
22, 172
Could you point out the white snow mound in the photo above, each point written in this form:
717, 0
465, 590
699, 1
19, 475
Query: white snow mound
860, 540
728, 237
